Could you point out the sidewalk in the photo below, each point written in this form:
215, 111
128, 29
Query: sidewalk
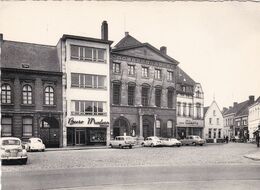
254, 156
76, 148
82, 148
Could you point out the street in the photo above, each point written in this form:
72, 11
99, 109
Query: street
219, 166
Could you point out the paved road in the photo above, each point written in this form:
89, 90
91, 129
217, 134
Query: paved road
153, 177
209, 167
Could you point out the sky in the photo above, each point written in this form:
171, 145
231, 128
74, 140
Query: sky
216, 43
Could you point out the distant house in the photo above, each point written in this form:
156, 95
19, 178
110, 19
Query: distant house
213, 123
235, 119
253, 118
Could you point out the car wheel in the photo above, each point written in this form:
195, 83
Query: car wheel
130, 146
43, 150
178, 145
201, 144
23, 161
111, 146
143, 144
194, 144
120, 146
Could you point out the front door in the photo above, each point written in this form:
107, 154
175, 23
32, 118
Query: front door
80, 137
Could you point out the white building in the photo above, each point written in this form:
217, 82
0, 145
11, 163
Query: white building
253, 118
190, 103
213, 123
86, 88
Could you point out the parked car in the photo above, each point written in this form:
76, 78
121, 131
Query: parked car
12, 150
122, 141
170, 142
152, 141
35, 144
193, 140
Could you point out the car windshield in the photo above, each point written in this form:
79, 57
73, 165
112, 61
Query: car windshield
11, 142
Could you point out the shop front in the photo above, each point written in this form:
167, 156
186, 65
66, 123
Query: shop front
87, 131
189, 126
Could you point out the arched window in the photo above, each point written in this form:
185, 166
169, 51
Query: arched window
6, 94
27, 94
49, 95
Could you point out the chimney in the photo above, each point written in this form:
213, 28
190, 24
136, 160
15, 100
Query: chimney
104, 30
126, 33
1, 37
251, 99
234, 104
163, 50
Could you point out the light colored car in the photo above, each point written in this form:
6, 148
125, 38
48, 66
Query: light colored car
170, 142
122, 141
35, 144
193, 140
152, 141
12, 150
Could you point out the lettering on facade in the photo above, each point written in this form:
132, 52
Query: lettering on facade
191, 122
71, 121
101, 122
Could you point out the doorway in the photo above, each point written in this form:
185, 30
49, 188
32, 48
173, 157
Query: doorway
80, 137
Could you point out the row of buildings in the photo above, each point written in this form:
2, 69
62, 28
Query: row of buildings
238, 122
84, 92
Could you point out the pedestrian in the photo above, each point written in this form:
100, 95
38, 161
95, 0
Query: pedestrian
226, 139
257, 138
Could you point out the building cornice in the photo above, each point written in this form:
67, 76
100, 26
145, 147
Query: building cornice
31, 71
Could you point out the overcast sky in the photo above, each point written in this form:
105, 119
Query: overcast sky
217, 44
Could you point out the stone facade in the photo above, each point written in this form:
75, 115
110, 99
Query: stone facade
135, 118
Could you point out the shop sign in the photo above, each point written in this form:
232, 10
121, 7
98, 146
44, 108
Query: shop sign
189, 123
90, 121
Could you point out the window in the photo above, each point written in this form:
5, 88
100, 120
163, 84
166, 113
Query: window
170, 98
158, 74
190, 110
116, 93
215, 133
214, 112
131, 94
210, 120
87, 53
244, 122
116, 68
145, 95
179, 108
158, 93
6, 94
49, 95
145, 72
183, 88
217, 121
131, 70
219, 133
6, 127
27, 127
198, 94
198, 106
27, 94
88, 81
184, 109
210, 133
238, 123
169, 75
79, 107
158, 128
169, 128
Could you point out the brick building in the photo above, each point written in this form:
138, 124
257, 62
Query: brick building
31, 104
143, 94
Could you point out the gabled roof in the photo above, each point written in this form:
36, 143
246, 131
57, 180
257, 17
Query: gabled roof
205, 109
237, 108
129, 42
37, 57
244, 110
184, 78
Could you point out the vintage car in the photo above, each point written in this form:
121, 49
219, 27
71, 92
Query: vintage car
170, 142
193, 140
152, 141
35, 144
122, 141
12, 150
